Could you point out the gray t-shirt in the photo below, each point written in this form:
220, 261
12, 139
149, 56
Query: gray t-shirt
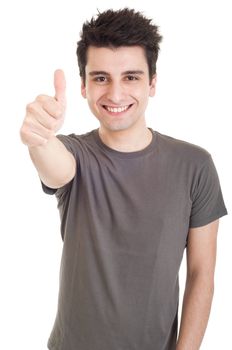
125, 219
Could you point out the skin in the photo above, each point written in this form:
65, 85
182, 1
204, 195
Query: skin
122, 80
109, 83
199, 289
44, 117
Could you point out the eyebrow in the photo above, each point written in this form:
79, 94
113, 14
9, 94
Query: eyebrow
101, 72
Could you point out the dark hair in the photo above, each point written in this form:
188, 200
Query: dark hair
123, 27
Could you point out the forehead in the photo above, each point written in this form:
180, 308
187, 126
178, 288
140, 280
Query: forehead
116, 59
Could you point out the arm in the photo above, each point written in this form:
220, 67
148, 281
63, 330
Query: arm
201, 259
55, 164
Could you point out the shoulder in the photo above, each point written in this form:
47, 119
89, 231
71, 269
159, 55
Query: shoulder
77, 137
182, 150
78, 145
77, 141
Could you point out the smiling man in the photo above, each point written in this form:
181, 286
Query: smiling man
131, 200
118, 97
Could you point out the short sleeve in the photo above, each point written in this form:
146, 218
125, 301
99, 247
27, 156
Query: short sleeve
69, 143
67, 140
207, 199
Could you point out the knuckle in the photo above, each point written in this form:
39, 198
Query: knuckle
41, 98
58, 113
24, 134
25, 124
22, 131
56, 109
30, 107
51, 125
28, 120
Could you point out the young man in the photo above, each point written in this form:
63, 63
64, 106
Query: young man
130, 200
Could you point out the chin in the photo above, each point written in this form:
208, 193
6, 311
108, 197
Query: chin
117, 126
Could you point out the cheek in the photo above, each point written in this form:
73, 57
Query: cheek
141, 93
93, 94
142, 89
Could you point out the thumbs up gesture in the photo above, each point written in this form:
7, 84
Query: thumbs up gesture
60, 86
45, 116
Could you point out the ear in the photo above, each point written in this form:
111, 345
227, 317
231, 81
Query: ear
153, 86
83, 88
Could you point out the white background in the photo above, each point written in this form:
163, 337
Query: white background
193, 103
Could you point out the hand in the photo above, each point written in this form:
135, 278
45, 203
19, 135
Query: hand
45, 116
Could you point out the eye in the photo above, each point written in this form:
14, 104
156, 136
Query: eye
131, 78
100, 79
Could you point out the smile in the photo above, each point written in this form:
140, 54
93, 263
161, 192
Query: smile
117, 109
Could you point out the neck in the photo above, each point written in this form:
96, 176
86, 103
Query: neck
126, 140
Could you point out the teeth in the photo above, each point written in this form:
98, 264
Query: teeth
116, 110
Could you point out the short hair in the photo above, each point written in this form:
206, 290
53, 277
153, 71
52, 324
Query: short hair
114, 29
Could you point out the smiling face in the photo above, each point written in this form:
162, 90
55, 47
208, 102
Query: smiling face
118, 87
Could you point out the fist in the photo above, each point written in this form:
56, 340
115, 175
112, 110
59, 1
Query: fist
45, 116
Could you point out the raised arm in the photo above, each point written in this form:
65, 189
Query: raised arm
56, 166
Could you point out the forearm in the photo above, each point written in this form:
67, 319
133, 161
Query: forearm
195, 312
54, 163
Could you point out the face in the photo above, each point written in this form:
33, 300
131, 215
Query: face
118, 87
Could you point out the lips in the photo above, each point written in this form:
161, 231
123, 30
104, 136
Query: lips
117, 109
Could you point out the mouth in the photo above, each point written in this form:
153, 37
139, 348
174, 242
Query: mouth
117, 110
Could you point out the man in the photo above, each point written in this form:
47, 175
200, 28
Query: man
130, 200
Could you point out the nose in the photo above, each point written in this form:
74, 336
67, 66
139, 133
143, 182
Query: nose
115, 93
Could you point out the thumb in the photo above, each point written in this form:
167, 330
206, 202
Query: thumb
60, 86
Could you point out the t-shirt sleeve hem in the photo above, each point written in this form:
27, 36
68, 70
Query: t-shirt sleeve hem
51, 191
48, 190
209, 219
